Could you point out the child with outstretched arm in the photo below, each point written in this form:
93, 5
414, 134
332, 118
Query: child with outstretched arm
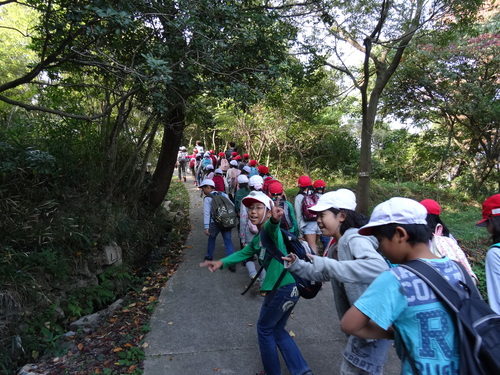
277, 307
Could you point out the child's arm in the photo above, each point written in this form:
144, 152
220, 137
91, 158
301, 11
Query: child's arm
354, 322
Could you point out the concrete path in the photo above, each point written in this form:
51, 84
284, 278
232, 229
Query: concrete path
203, 325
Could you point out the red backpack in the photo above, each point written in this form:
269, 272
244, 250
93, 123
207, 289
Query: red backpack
219, 183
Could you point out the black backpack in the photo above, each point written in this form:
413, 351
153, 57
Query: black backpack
223, 211
307, 289
478, 326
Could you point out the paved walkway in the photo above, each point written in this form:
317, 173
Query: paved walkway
203, 326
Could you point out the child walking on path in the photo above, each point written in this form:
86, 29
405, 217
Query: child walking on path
308, 228
276, 309
491, 220
398, 303
210, 226
352, 264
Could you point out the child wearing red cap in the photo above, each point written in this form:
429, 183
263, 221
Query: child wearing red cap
491, 220
308, 228
438, 243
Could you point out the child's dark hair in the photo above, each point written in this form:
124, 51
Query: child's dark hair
432, 221
495, 224
302, 189
353, 219
417, 233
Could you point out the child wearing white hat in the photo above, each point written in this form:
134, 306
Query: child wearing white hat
276, 309
351, 264
398, 300
210, 226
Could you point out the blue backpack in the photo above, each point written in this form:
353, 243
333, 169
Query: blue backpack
307, 288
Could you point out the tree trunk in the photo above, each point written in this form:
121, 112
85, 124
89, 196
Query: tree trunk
172, 136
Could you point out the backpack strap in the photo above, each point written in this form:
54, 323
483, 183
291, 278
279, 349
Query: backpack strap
275, 253
441, 287
254, 279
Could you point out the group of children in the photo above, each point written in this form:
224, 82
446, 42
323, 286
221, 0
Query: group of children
377, 302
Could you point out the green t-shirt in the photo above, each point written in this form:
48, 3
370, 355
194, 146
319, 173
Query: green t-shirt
275, 268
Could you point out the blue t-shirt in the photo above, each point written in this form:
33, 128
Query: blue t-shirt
400, 298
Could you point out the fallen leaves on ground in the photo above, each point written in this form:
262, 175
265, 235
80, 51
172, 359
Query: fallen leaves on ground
116, 346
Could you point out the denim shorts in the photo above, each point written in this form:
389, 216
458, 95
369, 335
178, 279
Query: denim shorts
311, 227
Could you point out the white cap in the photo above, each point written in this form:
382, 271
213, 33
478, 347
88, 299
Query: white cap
339, 199
210, 166
218, 171
242, 179
257, 196
206, 154
247, 169
256, 180
233, 162
207, 182
395, 211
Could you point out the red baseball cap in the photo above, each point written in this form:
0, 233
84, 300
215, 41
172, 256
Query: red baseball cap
275, 187
263, 169
221, 153
491, 207
252, 163
432, 206
234, 153
319, 183
304, 181
245, 156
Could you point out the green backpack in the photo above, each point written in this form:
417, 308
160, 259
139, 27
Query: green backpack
223, 211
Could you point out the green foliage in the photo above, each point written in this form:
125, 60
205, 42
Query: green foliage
449, 84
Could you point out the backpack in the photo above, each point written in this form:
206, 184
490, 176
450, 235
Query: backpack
192, 163
309, 201
307, 289
223, 211
205, 162
478, 326
181, 157
224, 165
219, 183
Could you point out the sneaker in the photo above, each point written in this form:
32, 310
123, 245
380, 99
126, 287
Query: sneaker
261, 373
232, 268
208, 258
185, 179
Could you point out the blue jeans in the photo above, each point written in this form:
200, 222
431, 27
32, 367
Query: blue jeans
272, 334
213, 231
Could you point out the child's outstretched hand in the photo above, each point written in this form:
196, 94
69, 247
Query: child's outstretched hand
290, 258
213, 265
276, 211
